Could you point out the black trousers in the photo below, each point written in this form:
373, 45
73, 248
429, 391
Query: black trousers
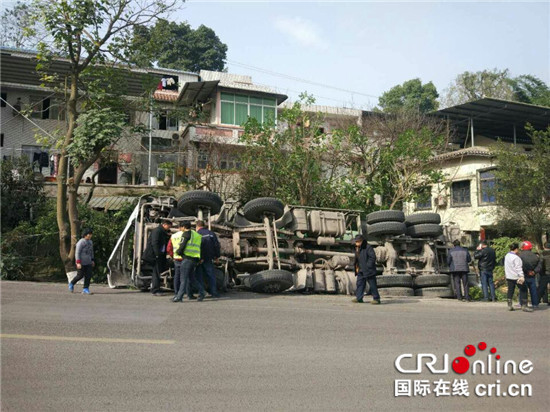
158, 268
522, 291
542, 291
85, 272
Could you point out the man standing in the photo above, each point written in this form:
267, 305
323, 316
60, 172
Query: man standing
542, 291
210, 251
513, 268
155, 253
84, 256
487, 261
458, 260
365, 270
531, 266
190, 251
173, 245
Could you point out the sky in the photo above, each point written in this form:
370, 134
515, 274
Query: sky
346, 54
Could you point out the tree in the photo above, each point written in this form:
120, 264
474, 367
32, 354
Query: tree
178, 46
530, 89
470, 86
292, 162
523, 181
87, 33
411, 95
391, 155
18, 27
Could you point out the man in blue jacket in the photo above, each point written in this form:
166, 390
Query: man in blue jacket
458, 260
210, 251
365, 270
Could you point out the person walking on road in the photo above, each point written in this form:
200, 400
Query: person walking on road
544, 280
84, 257
458, 260
155, 253
365, 270
190, 251
173, 246
486, 263
532, 265
210, 251
513, 269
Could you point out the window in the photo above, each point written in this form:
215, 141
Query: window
487, 187
1, 139
4, 99
159, 143
424, 199
202, 159
46, 108
237, 108
460, 193
165, 122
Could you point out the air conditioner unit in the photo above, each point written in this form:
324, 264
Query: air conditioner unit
175, 136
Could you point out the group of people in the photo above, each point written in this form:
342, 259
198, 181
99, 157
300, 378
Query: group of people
523, 269
193, 252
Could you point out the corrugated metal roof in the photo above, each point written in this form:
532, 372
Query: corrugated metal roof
111, 202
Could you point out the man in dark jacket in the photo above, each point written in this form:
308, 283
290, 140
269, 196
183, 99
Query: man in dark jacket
544, 280
155, 253
486, 263
210, 251
531, 267
458, 260
365, 270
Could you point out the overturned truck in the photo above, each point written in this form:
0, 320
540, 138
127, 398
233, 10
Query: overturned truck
269, 247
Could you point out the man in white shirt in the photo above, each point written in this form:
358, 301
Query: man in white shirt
513, 268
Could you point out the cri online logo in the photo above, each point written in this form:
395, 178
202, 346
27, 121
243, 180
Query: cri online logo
461, 364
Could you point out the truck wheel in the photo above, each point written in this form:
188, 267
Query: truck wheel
397, 292
421, 218
190, 202
424, 281
386, 228
255, 209
271, 281
436, 292
425, 230
386, 281
385, 216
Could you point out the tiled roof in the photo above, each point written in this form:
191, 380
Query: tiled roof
111, 202
166, 95
469, 151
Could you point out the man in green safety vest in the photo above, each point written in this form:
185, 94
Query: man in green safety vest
189, 250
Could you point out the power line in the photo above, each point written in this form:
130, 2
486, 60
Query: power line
298, 79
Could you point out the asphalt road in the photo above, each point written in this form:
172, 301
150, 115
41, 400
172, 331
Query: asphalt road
122, 350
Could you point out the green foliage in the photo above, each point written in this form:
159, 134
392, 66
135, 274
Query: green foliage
178, 46
289, 164
22, 195
411, 95
30, 251
523, 184
18, 27
502, 246
470, 86
530, 89
96, 130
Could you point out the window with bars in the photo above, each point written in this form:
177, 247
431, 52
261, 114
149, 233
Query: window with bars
487, 187
164, 121
237, 108
460, 193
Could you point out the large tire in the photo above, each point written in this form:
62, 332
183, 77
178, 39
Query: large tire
255, 209
190, 202
385, 216
271, 281
390, 281
426, 281
421, 218
425, 230
386, 228
436, 292
396, 292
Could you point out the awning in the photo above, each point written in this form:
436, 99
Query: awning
193, 92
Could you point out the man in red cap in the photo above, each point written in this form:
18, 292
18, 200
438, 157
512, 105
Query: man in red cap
531, 266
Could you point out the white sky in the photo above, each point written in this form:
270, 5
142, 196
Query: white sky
368, 47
